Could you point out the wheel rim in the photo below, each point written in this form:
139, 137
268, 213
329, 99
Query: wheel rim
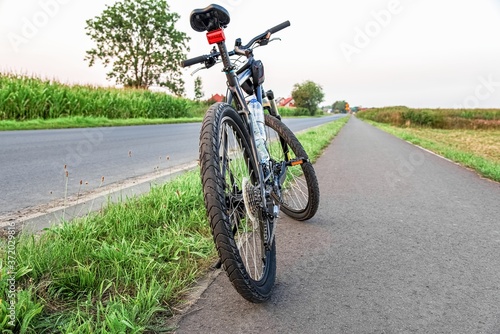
294, 192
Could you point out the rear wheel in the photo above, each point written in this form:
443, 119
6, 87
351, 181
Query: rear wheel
300, 189
232, 200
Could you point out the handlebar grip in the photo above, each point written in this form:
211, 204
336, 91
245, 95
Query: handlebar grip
195, 60
279, 27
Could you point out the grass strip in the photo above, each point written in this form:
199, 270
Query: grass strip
88, 122
120, 270
483, 164
93, 122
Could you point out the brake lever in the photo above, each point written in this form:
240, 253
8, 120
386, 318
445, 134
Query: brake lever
266, 41
204, 67
197, 70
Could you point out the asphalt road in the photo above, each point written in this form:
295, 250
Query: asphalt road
32, 163
404, 242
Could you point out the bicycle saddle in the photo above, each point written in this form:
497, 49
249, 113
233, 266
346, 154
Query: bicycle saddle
209, 18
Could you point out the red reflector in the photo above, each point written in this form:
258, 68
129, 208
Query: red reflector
216, 36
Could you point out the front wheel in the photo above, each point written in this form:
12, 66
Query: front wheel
300, 189
231, 194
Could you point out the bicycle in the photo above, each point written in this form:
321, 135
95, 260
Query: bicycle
243, 187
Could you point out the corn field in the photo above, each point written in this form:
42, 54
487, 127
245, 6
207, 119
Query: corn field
26, 98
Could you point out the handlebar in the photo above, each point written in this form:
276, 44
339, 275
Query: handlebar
279, 27
196, 60
265, 35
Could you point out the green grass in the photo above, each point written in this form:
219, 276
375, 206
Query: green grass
477, 157
120, 270
88, 122
92, 122
112, 271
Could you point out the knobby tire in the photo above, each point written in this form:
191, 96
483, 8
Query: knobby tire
225, 166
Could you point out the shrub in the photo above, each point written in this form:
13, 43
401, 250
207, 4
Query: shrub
286, 112
425, 117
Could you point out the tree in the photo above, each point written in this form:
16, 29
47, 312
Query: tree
138, 39
198, 89
308, 95
339, 106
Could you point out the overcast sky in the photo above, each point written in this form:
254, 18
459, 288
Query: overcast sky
418, 53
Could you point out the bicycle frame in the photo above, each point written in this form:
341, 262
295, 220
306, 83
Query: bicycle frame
235, 92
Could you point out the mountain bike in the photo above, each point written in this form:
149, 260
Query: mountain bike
249, 171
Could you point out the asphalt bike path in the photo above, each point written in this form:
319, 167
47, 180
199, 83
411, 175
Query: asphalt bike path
404, 242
